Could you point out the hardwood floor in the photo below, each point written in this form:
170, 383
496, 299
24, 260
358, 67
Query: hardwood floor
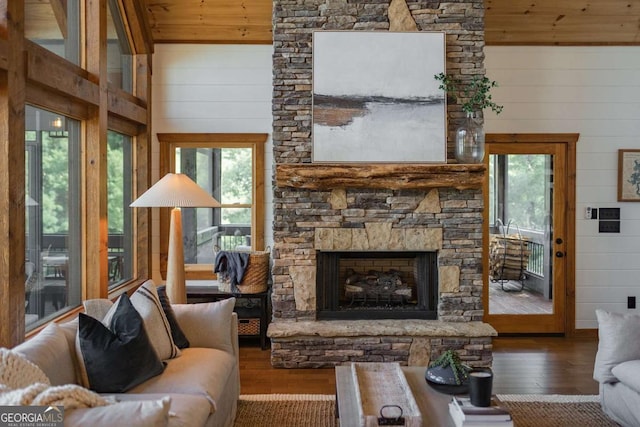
522, 365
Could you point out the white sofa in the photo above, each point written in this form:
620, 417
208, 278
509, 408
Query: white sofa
617, 366
200, 387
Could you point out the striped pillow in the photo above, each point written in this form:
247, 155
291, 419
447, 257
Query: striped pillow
146, 302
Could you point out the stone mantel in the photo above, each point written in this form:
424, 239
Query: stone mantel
396, 176
384, 327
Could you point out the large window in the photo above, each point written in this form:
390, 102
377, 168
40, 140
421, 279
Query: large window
120, 215
232, 172
52, 214
55, 25
119, 58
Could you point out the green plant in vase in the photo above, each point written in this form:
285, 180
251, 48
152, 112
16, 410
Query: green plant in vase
474, 95
451, 360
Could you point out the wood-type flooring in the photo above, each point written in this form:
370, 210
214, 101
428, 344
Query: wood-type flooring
521, 365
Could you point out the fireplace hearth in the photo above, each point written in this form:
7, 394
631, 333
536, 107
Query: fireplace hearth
376, 285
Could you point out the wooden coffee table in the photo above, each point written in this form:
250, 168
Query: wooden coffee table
433, 405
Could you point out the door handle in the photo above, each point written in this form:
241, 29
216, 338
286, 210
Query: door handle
559, 254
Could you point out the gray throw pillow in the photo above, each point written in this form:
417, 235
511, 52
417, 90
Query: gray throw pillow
619, 336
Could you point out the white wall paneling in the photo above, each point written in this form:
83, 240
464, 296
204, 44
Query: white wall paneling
204, 88
594, 91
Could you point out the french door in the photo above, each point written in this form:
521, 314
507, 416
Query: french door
529, 259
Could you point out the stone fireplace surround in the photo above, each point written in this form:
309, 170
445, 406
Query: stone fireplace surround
445, 221
371, 207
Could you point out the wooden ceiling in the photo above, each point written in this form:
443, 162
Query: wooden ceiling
511, 22
507, 22
210, 21
563, 22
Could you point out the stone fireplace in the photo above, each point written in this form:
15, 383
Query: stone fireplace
372, 210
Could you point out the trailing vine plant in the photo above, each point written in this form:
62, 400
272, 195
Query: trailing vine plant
474, 93
451, 359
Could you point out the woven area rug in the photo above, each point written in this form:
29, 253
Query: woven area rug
551, 410
318, 410
286, 410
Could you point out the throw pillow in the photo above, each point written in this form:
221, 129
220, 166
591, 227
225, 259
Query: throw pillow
143, 413
97, 308
146, 302
50, 350
118, 358
176, 332
207, 324
619, 336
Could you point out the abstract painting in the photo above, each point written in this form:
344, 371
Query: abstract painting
375, 98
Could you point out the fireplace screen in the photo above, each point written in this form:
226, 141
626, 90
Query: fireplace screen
376, 285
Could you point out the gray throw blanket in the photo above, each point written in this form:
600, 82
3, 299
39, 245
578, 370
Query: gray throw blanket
231, 266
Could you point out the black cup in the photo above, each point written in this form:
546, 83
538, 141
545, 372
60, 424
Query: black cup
480, 385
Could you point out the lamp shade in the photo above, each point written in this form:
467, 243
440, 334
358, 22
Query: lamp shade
175, 190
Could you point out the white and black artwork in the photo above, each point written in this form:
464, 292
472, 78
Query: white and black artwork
375, 98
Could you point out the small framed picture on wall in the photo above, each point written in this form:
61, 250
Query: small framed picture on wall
628, 175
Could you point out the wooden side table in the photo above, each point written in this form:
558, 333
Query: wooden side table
247, 317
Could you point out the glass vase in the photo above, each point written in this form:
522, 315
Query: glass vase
470, 141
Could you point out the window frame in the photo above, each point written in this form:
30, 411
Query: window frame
256, 141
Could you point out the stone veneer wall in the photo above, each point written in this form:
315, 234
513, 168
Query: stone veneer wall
302, 216
446, 221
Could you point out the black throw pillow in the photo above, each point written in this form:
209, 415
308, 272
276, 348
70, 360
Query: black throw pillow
120, 357
177, 334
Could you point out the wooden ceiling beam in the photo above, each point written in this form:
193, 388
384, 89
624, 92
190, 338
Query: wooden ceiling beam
60, 13
137, 20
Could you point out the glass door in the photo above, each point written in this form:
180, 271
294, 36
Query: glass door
526, 248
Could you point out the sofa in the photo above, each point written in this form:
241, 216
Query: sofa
617, 366
198, 385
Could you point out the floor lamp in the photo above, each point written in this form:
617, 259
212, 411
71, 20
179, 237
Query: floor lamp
177, 191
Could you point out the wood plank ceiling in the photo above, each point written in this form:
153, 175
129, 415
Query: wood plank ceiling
514, 22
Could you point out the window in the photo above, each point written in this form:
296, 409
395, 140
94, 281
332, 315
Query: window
119, 57
232, 171
53, 226
120, 215
55, 26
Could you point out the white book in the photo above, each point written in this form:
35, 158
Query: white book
469, 412
456, 415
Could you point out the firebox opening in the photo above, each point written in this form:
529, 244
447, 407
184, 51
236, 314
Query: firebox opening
376, 285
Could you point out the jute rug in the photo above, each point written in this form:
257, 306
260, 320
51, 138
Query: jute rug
551, 410
317, 410
286, 410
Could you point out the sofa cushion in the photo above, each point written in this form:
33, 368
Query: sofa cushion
176, 332
142, 413
120, 357
146, 302
207, 324
628, 373
199, 371
187, 410
619, 336
50, 351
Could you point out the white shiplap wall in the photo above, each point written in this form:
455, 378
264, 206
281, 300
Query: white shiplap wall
212, 89
594, 91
